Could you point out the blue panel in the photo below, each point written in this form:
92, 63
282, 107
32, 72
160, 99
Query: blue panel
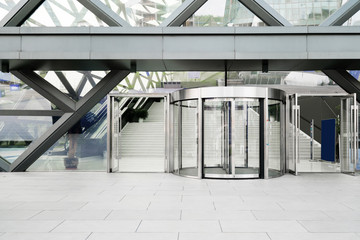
328, 140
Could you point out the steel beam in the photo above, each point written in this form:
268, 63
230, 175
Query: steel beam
47, 90
182, 13
265, 12
67, 85
20, 13
25, 112
60, 127
343, 14
345, 80
104, 13
4, 164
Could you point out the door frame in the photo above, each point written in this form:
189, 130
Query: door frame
111, 167
294, 117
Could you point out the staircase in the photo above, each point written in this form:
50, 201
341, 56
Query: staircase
142, 144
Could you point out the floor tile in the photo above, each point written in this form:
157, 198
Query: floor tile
332, 226
72, 215
50, 206
216, 215
27, 226
223, 236
44, 236
144, 215
17, 214
97, 226
179, 226
261, 226
314, 236
133, 236
290, 215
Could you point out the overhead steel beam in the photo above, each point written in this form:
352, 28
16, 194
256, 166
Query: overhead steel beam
265, 12
345, 80
60, 127
182, 13
343, 14
104, 13
20, 13
67, 85
45, 89
11, 112
181, 49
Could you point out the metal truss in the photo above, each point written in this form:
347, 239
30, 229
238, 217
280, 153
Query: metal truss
68, 119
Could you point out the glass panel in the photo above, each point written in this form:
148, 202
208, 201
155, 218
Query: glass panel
16, 95
216, 13
17, 132
292, 136
189, 125
305, 12
274, 135
70, 13
142, 137
82, 148
176, 136
216, 134
348, 141
354, 20
6, 6
246, 132
143, 13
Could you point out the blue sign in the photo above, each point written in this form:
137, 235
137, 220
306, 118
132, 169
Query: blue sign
14, 87
328, 132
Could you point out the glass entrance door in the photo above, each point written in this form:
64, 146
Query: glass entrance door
349, 135
231, 138
137, 134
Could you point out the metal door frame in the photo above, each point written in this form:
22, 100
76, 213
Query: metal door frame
295, 113
110, 127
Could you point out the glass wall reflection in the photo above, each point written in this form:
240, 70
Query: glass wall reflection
82, 148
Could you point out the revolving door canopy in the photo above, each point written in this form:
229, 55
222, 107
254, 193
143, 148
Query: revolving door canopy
228, 132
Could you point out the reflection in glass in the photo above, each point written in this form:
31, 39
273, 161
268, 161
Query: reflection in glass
83, 147
16, 95
189, 164
17, 132
143, 13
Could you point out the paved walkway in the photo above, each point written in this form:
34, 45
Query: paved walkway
100, 206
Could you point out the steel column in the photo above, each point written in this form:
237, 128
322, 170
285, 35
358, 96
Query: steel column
265, 12
67, 85
104, 13
20, 13
343, 14
182, 13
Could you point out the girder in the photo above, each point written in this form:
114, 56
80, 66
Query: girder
180, 49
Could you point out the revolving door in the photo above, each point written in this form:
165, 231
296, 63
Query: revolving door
228, 132
231, 138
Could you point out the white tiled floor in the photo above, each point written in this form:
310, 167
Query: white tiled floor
93, 206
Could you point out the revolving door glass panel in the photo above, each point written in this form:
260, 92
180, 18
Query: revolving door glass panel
231, 138
188, 138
